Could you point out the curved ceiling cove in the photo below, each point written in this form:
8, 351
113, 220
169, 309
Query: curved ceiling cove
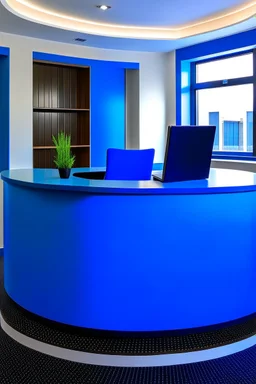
150, 13
87, 21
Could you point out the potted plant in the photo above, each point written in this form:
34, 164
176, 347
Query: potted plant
64, 160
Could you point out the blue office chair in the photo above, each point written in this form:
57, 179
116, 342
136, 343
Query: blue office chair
129, 164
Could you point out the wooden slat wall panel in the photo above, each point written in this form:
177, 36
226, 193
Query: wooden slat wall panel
74, 81
36, 139
83, 128
35, 86
82, 157
83, 89
47, 124
54, 87
47, 86
41, 82
61, 87
44, 158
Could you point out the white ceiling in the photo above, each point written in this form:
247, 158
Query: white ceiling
10, 23
140, 12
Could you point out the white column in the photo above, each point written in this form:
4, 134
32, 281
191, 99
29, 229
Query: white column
21, 104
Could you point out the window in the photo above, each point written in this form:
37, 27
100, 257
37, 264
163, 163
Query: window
230, 68
230, 110
222, 95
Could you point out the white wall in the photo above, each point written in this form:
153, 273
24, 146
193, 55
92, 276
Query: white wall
157, 101
170, 92
170, 88
157, 91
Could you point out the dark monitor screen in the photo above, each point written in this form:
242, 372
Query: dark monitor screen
188, 153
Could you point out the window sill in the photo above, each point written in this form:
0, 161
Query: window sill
234, 156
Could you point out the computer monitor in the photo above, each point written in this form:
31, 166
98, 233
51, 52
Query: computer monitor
188, 153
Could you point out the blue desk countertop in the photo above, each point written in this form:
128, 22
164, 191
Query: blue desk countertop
220, 181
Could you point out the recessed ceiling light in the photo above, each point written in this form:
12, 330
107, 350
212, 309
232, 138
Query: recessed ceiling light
103, 7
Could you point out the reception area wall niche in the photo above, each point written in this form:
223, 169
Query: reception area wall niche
86, 98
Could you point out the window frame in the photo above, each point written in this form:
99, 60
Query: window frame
194, 87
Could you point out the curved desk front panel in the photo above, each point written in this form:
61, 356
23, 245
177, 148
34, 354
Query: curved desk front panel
127, 261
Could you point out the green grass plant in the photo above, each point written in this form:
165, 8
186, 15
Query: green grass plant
64, 158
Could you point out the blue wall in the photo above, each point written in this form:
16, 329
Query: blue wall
107, 107
226, 45
107, 110
4, 107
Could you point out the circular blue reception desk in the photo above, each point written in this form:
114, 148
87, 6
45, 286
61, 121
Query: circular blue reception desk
132, 257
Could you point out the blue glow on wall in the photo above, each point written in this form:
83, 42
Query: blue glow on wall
108, 111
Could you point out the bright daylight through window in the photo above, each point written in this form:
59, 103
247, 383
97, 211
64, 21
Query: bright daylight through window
223, 91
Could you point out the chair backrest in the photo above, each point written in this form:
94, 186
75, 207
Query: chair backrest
129, 164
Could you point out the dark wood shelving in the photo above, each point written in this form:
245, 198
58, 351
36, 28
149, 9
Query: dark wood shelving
60, 110
53, 147
61, 102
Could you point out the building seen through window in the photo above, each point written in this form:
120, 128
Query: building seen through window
227, 106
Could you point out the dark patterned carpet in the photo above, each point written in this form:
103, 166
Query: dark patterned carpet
20, 365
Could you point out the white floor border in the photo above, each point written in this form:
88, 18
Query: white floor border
127, 361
